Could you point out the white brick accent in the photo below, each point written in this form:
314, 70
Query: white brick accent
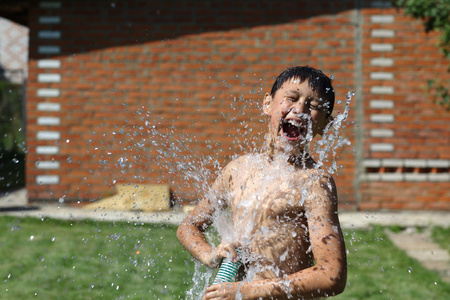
50, 4
386, 33
49, 50
49, 20
382, 47
48, 135
47, 150
415, 163
49, 64
48, 121
392, 162
47, 179
381, 75
438, 163
392, 177
381, 90
382, 133
382, 62
45, 76
382, 118
439, 177
48, 165
48, 106
381, 104
49, 34
382, 147
399, 162
372, 163
49, 77
373, 177
382, 19
416, 177
48, 92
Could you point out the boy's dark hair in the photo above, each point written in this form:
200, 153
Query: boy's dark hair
317, 80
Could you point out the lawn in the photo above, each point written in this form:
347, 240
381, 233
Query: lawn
379, 270
52, 259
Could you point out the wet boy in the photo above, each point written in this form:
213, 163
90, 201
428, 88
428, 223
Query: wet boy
283, 209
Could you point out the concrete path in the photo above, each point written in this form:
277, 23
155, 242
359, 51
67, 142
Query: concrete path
16, 203
416, 244
419, 245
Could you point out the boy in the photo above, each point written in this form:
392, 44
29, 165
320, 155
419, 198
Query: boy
283, 209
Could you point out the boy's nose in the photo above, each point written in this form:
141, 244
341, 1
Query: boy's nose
299, 107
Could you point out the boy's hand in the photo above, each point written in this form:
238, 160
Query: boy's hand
227, 250
223, 250
226, 290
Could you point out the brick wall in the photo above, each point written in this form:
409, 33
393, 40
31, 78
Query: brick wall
406, 137
149, 92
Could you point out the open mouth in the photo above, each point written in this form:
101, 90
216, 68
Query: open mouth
292, 129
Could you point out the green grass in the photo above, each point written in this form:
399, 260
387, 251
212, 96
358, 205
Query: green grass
379, 270
50, 259
441, 236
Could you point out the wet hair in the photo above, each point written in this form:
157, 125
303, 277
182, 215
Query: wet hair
317, 80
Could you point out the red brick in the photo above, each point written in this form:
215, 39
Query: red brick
227, 61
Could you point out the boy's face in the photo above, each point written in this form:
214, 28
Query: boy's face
296, 114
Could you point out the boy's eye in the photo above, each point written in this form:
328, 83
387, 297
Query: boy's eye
314, 106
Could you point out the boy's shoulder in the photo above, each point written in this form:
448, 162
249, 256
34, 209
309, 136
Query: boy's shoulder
244, 160
240, 159
247, 157
319, 175
240, 163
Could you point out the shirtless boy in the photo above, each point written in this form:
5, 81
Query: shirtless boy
283, 210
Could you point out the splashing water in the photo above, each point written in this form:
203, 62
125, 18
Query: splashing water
332, 140
176, 159
227, 230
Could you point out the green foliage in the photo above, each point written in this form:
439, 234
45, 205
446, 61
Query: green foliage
12, 137
435, 15
440, 93
12, 171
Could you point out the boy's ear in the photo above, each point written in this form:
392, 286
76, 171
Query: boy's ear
267, 101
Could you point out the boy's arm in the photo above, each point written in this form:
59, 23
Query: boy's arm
328, 277
190, 233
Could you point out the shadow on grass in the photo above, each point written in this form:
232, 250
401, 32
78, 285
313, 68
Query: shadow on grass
18, 208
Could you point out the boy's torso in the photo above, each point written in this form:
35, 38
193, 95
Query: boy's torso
267, 203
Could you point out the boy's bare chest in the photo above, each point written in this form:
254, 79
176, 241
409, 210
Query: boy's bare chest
266, 196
